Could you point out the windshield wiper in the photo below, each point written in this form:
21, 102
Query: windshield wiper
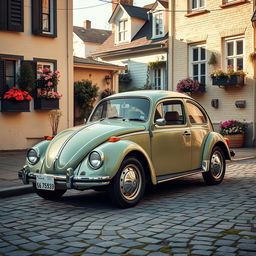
136, 119
115, 117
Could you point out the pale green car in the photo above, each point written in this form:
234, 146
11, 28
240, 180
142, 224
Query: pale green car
131, 140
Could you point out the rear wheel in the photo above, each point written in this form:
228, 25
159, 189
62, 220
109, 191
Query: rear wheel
128, 186
49, 195
216, 173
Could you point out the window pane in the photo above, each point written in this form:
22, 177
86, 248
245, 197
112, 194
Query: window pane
231, 62
194, 4
195, 54
239, 47
202, 53
230, 46
202, 69
195, 69
195, 78
45, 6
240, 65
10, 81
173, 113
196, 116
202, 80
10, 68
45, 25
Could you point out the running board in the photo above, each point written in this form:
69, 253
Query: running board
164, 178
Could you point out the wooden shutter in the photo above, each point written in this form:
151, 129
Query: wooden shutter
36, 17
3, 14
2, 78
55, 17
15, 11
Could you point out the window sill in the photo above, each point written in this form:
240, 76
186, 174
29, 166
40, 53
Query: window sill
226, 5
196, 13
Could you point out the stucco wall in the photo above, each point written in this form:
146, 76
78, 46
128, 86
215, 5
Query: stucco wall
210, 29
17, 128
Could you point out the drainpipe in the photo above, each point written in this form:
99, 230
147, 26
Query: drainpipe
171, 48
254, 80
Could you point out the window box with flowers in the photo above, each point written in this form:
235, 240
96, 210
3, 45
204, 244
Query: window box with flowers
235, 132
231, 77
190, 85
47, 95
15, 100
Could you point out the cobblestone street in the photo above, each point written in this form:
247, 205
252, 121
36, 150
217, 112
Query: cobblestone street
182, 217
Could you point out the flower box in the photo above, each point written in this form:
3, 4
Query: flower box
228, 80
235, 140
46, 104
15, 106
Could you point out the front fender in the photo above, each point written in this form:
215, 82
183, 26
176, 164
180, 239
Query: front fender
215, 139
114, 154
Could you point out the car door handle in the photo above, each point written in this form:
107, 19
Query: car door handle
186, 133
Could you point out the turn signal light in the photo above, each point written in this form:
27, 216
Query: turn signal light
227, 140
48, 138
114, 139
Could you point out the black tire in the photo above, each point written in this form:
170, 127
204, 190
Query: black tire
217, 168
131, 174
49, 195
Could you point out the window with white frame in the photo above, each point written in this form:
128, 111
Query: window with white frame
197, 60
42, 65
158, 78
229, 1
234, 53
197, 4
123, 30
158, 24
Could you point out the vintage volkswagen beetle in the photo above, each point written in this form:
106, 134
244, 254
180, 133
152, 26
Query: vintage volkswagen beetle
131, 139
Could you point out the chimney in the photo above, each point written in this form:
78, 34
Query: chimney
87, 24
115, 3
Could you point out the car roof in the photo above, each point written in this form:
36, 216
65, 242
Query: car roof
154, 95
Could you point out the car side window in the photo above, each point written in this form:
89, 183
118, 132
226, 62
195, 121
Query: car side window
196, 116
171, 111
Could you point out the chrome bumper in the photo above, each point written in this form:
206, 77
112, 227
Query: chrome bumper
67, 181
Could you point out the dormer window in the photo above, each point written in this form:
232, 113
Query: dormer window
197, 5
123, 31
158, 24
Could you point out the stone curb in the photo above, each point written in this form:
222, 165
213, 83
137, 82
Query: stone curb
25, 189
15, 191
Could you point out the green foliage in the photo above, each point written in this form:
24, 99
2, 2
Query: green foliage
85, 94
156, 64
105, 93
26, 78
125, 78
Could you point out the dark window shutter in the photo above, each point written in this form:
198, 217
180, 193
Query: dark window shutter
36, 17
3, 14
2, 78
15, 15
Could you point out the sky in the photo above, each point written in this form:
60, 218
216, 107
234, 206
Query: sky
98, 12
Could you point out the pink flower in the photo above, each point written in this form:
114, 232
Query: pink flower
49, 83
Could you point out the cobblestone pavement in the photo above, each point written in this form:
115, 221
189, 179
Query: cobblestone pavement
182, 217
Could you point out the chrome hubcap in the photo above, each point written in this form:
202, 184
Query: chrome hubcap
130, 182
217, 165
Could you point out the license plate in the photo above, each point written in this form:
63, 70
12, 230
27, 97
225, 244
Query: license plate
45, 182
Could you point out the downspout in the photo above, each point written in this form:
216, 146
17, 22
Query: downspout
254, 82
171, 50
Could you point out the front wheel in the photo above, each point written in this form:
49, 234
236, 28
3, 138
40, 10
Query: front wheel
128, 186
216, 173
49, 195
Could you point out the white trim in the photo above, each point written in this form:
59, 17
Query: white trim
198, 5
161, 25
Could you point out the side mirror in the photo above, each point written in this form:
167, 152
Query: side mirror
160, 122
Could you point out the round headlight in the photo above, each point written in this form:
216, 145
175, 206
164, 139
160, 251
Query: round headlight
32, 156
95, 160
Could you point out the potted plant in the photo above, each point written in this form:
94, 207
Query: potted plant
231, 77
190, 85
234, 130
47, 95
15, 100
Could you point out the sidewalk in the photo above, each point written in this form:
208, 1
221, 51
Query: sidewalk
12, 161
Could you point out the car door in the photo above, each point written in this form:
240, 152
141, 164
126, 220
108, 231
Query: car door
171, 139
199, 127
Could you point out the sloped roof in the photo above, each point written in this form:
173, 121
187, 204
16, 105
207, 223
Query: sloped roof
90, 61
164, 3
254, 16
141, 40
92, 35
136, 12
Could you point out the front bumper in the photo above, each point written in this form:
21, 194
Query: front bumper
67, 181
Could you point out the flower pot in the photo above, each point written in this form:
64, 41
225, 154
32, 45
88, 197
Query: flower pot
46, 104
15, 106
228, 80
236, 140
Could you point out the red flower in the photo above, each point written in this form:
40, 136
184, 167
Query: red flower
16, 94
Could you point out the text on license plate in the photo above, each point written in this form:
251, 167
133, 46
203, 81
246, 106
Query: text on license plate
45, 182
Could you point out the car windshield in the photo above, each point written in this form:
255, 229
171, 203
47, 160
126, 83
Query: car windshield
133, 109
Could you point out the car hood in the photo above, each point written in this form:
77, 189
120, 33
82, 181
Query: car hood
69, 147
